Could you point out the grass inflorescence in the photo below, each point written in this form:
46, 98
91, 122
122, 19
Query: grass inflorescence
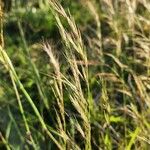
86, 85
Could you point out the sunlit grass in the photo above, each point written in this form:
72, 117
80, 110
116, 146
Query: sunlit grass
91, 91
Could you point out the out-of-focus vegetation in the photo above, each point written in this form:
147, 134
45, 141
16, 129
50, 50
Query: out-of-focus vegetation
75, 74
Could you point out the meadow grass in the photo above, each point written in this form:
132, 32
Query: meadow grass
91, 91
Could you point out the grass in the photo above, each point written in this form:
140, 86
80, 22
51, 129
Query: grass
88, 88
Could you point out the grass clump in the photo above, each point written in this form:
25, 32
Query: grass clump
87, 87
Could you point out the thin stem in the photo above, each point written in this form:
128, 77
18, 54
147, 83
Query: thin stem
5, 142
22, 111
35, 71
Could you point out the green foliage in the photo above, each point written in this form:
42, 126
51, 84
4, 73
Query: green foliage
75, 75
